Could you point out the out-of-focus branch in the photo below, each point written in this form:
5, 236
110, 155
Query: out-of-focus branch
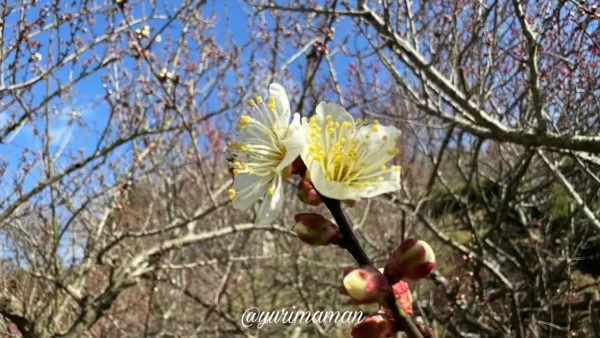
571, 190
474, 119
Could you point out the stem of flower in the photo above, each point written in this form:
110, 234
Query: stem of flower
351, 244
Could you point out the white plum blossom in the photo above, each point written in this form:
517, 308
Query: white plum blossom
268, 144
347, 160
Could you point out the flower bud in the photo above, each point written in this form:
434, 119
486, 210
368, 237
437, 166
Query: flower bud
298, 167
377, 326
403, 297
349, 203
315, 229
412, 260
307, 193
365, 285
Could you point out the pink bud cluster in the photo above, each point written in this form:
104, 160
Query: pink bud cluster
412, 260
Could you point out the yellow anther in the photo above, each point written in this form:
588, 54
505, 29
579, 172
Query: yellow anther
384, 167
245, 119
374, 129
331, 131
259, 99
271, 191
380, 179
252, 103
236, 172
375, 122
385, 137
231, 193
336, 125
397, 138
328, 118
237, 164
250, 171
397, 168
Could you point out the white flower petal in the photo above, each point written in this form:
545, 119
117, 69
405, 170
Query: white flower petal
332, 189
337, 112
248, 188
271, 206
282, 103
390, 183
294, 143
383, 139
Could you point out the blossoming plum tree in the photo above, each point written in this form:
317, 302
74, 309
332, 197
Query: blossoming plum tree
339, 159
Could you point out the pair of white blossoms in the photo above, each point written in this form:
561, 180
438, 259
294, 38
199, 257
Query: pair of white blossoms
346, 159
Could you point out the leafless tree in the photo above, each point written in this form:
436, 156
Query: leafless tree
116, 115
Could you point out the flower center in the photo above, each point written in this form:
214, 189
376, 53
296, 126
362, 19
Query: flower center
344, 154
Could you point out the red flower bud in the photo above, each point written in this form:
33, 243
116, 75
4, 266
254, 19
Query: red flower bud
307, 193
349, 203
315, 229
412, 260
403, 297
377, 326
298, 167
365, 285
